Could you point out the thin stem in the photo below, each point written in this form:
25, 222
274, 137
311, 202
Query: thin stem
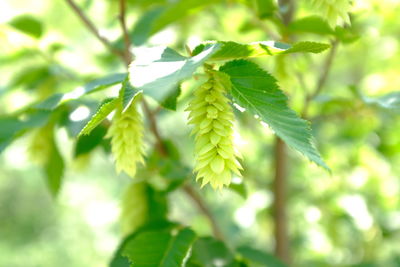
125, 33
92, 28
322, 78
204, 209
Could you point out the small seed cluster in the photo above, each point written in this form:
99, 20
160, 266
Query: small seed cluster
126, 133
212, 116
334, 11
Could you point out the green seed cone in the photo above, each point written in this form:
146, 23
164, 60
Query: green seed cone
334, 11
212, 116
126, 133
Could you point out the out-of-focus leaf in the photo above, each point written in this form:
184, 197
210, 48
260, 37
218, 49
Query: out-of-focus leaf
265, 8
208, 252
142, 205
239, 188
159, 76
232, 50
171, 100
144, 27
54, 169
28, 25
86, 143
13, 126
105, 108
389, 101
31, 78
346, 35
311, 24
259, 257
160, 248
55, 100
258, 92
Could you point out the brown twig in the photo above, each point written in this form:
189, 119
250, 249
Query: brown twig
322, 78
92, 28
125, 33
204, 209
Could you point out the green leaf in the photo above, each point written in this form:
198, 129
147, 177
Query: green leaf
96, 85
232, 50
159, 76
159, 248
171, 101
144, 27
265, 8
86, 143
14, 126
207, 251
142, 205
127, 94
54, 169
311, 24
390, 101
239, 188
259, 257
257, 91
28, 25
104, 109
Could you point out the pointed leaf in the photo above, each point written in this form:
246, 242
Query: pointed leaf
105, 108
54, 169
257, 91
28, 25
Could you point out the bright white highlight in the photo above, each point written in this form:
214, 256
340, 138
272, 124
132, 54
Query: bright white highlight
79, 114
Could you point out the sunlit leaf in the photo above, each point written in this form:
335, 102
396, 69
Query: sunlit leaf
28, 25
258, 92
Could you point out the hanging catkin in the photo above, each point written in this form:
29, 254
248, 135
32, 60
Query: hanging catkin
212, 117
126, 133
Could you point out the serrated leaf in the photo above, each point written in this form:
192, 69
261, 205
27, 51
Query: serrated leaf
127, 94
259, 257
232, 50
159, 76
104, 109
258, 92
159, 248
28, 25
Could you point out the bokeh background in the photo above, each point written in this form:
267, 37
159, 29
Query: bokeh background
350, 217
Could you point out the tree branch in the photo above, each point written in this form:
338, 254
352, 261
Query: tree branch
322, 78
125, 33
204, 209
92, 28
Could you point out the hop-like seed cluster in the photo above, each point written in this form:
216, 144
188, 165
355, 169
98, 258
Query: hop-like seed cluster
126, 133
212, 116
334, 11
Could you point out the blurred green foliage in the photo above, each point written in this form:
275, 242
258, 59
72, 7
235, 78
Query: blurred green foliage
350, 217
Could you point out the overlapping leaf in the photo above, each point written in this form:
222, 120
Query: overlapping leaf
232, 50
257, 91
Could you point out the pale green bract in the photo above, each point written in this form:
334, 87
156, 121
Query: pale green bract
212, 117
336, 12
126, 133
